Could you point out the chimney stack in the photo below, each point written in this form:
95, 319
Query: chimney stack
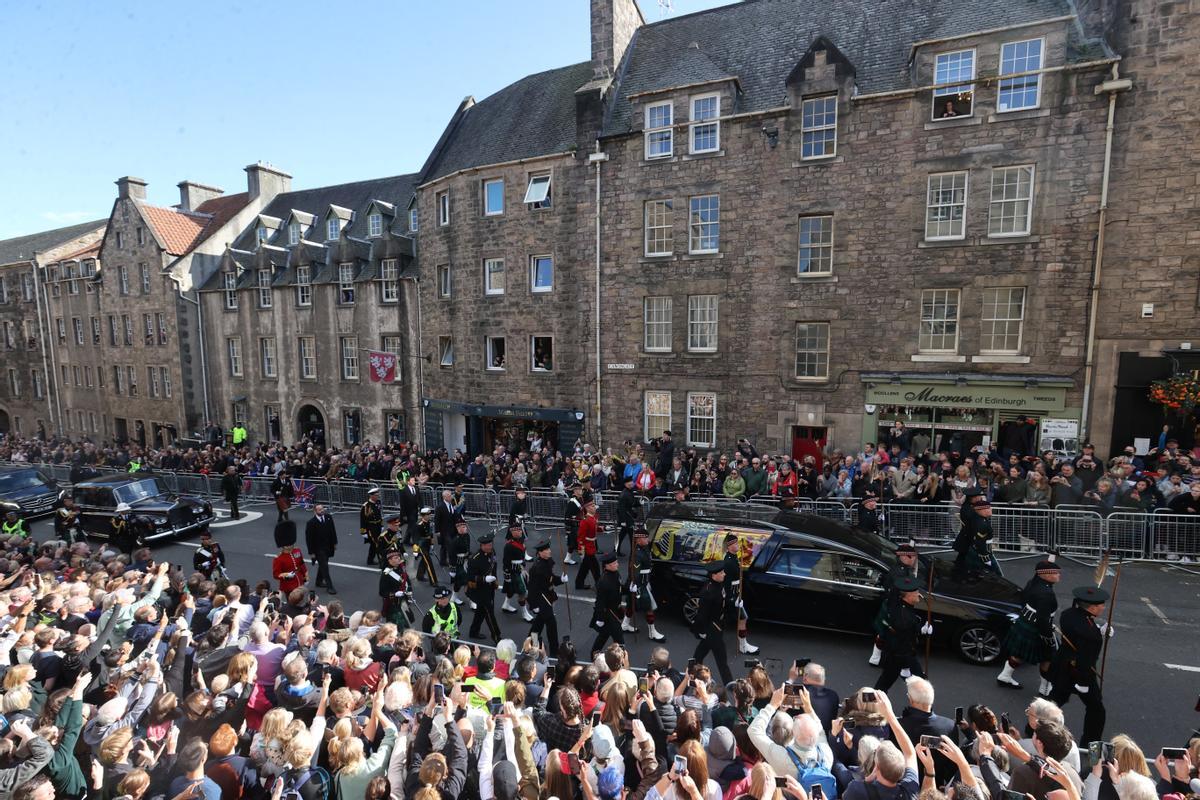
264, 180
614, 23
192, 194
131, 188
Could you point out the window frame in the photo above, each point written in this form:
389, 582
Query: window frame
386, 347
304, 286
993, 202
945, 90
77, 330
485, 199
294, 233
547, 200
152, 381
374, 225
669, 310
489, 353
823, 249
348, 350
714, 122
263, 284
127, 324
123, 278
824, 376
160, 322
929, 205
984, 320
667, 130
1000, 88
148, 330
442, 201
333, 228
233, 356
489, 289
446, 351
347, 293
144, 272
389, 288
413, 220
229, 280
164, 374
667, 230
534, 287
818, 132
691, 440
714, 323
268, 358
696, 228
946, 294
311, 341
445, 288
648, 432
533, 337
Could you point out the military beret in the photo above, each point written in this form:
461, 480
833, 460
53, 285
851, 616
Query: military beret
907, 583
608, 558
1091, 595
715, 566
1047, 565
544, 544
730, 537
487, 538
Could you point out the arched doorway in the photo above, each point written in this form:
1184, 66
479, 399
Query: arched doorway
4, 423
310, 422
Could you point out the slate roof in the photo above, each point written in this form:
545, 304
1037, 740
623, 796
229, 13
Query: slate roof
533, 117
22, 248
760, 42
180, 231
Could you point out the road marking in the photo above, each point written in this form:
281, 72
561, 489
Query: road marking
247, 516
1183, 667
1157, 611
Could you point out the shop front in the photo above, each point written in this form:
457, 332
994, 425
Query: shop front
479, 429
955, 413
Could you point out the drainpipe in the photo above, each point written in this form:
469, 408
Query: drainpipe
49, 367
598, 158
420, 355
1112, 87
203, 359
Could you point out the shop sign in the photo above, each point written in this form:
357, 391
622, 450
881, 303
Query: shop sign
1060, 436
1041, 398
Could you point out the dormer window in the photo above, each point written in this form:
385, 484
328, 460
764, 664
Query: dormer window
333, 227
375, 225
412, 220
953, 74
658, 131
294, 234
537, 195
229, 287
264, 233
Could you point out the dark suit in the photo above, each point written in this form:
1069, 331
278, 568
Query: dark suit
710, 617
825, 703
321, 539
410, 505
1075, 666
444, 522
666, 455
918, 723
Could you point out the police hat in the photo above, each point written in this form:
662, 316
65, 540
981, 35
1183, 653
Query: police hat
544, 544
907, 583
1090, 595
396, 519
425, 510
608, 558
715, 566
285, 533
440, 592
487, 538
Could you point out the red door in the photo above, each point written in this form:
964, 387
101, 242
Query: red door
809, 441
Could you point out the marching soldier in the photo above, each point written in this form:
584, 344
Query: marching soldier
481, 587
710, 619
1075, 662
902, 626
442, 616
641, 594
14, 524
513, 561
542, 581
283, 491
608, 615
370, 523
907, 566
520, 508
209, 560
973, 543
288, 567
870, 516
588, 533
389, 539
1030, 640
394, 589
66, 521
733, 591
123, 533
422, 545
571, 514
626, 513
460, 549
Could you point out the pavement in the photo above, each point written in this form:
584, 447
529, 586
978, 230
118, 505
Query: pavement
1152, 673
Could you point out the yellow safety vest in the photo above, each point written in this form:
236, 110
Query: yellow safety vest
239, 434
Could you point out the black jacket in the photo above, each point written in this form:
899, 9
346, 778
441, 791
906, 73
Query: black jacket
917, 723
444, 521
542, 581
231, 486
608, 598
711, 612
1080, 656
410, 504
903, 624
627, 509
1038, 597
320, 537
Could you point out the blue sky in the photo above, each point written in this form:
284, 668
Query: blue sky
330, 92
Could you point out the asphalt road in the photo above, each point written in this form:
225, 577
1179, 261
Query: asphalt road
1153, 668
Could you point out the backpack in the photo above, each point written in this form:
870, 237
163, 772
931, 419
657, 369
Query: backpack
813, 772
295, 779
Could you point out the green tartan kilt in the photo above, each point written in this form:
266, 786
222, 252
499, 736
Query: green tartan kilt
642, 601
515, 584
1024, 642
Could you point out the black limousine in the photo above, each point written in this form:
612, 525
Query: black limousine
27, 491
157, 513
811, 571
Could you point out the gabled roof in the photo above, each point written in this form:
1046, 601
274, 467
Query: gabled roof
180, 232
761, 42
23, 248
91, 251
533, 117
339, 212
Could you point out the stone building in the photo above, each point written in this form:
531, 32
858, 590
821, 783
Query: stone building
30, 402
305, 290
152, 349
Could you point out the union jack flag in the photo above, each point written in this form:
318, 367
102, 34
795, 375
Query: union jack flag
304, 493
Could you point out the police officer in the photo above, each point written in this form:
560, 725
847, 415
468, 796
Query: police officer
237, 434
460, 549
733, 591
422, 544
14, 525
870, 516
710, 620
283, 492
209, 559
394, 589
481, 587
1031, 637
123, 534
973, 543
442, 616
1075, 662
907, 565
66, 521
572, 511
640, 592
903, 625
542, 581
608, 614
626, 513
370, 523
513, 561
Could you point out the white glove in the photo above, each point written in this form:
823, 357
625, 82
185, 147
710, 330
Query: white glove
700, 635
490, 579
1081, 689
737, 603
398, 594
1106, 629
633, 588
906, 673
599, 623
927, 629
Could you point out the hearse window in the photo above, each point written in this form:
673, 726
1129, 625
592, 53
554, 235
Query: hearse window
858, 572
805, 564
139, 490
690, 540
94, 496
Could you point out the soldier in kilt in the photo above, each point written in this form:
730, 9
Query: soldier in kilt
513, 564
639, 595
908, 566
395, 591
1030, 640
973, 543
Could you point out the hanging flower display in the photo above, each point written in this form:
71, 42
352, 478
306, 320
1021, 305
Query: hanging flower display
1181, 392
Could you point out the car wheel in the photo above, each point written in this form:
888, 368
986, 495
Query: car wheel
978, 644
691, 607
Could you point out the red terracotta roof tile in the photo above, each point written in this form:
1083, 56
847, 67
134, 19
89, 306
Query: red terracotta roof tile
180, 231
